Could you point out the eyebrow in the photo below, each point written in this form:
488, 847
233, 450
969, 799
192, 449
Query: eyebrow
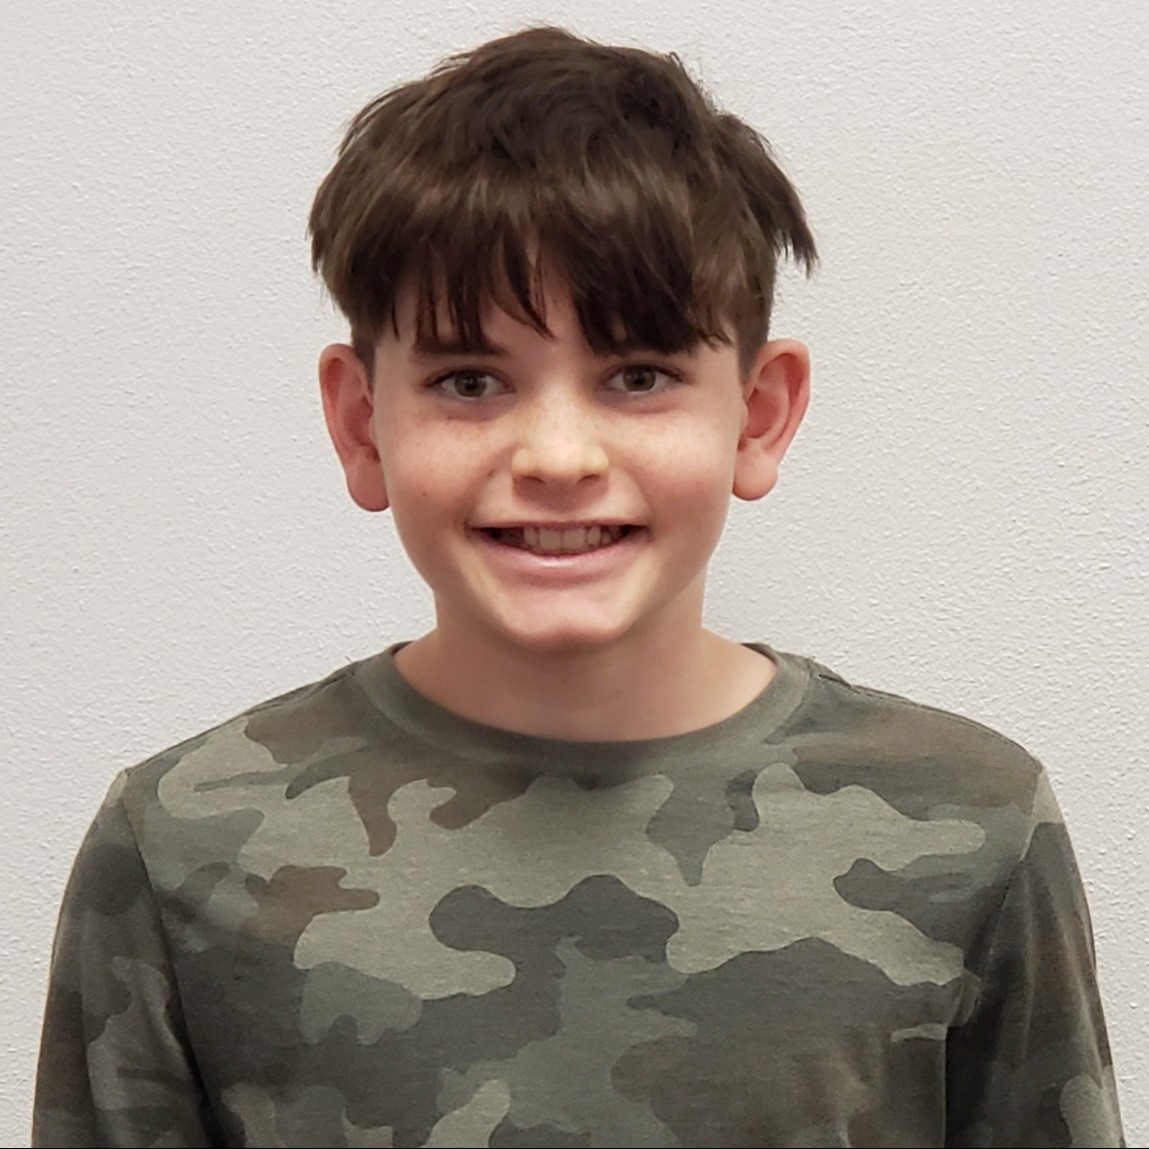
431, 348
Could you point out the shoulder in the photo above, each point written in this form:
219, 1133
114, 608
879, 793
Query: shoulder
245, 741
210, 791
853, 733
982, 836
918, 757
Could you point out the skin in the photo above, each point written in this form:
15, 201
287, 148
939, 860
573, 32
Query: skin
466, 448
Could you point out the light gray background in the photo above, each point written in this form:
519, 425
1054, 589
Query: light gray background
963, 519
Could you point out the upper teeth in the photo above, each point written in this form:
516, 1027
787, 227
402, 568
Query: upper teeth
569, 540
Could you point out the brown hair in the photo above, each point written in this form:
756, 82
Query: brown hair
663, 216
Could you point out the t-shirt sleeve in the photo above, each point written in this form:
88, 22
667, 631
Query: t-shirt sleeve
115, 1067
1032, 1064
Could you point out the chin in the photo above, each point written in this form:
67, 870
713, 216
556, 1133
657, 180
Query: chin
559, 644
574, 639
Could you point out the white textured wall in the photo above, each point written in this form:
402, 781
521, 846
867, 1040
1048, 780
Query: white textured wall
963, 519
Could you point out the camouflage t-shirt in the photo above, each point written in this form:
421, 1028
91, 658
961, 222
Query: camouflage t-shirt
349, 917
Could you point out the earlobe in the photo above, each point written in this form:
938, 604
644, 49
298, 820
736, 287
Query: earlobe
776, 392
349, 407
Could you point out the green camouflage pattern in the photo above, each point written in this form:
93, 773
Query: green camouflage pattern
350, 918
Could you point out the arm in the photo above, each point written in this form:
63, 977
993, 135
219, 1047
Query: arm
115, 1068
1032, 1064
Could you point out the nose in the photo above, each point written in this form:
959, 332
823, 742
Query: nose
558, 440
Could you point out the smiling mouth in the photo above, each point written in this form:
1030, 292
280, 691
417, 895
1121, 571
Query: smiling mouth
552, 541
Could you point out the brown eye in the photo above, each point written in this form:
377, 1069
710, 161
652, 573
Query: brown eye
468, 385
642, 379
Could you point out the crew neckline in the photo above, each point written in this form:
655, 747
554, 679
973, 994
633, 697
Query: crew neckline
430, 723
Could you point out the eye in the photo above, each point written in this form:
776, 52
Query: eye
468, 385
642, 379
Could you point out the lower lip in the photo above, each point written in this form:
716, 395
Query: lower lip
585, 564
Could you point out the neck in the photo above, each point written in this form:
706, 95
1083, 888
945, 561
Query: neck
653, 689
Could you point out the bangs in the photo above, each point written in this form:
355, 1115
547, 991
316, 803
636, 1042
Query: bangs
605, 171
628, 255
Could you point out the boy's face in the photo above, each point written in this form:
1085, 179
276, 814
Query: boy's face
551, 498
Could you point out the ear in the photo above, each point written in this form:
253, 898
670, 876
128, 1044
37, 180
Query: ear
776, 391
349, 407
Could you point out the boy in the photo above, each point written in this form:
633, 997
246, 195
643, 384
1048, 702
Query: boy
569, 869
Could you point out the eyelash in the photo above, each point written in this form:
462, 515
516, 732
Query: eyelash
442, 382
666, 372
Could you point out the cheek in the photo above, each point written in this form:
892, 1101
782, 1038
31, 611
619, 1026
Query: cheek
697, 465
419, 470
